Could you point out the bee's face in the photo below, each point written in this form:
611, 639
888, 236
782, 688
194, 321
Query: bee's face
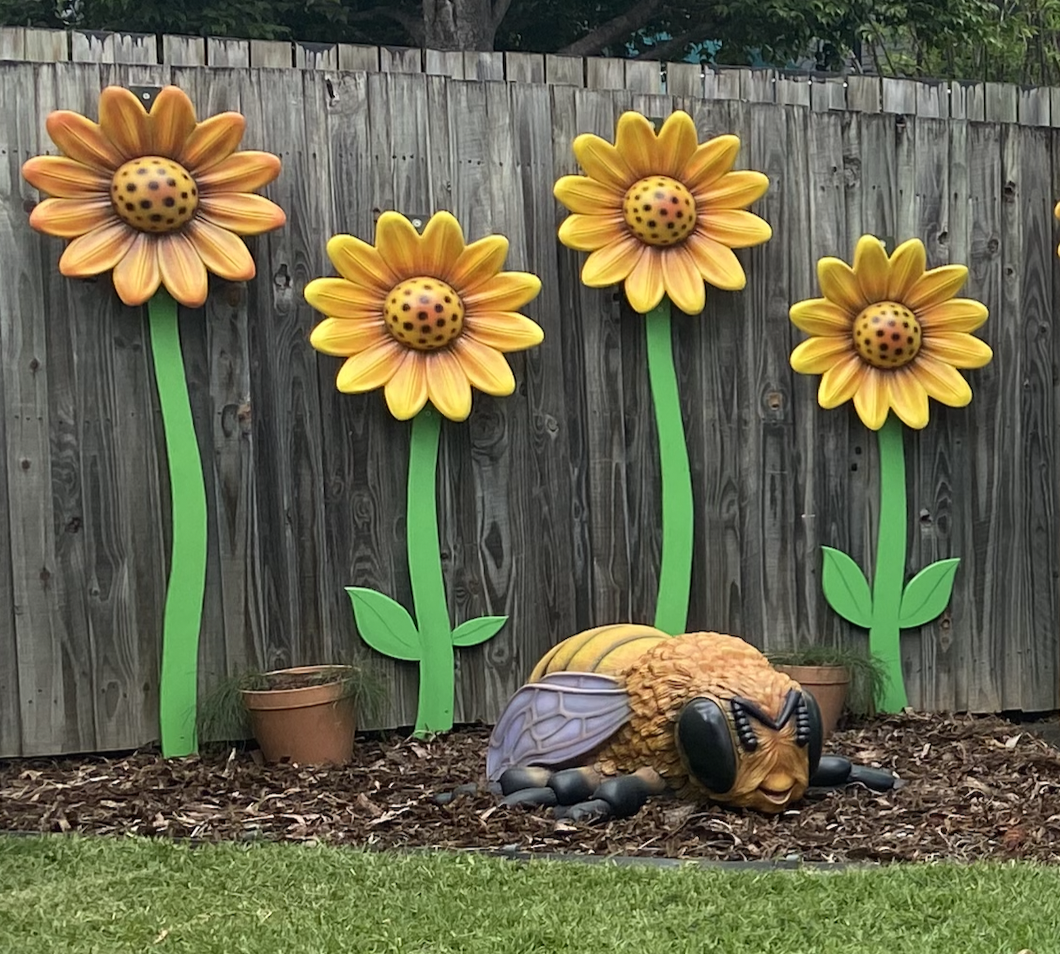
744, 757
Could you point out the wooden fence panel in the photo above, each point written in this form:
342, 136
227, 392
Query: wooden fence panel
549, 499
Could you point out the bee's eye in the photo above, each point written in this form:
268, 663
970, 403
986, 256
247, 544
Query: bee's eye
704, 739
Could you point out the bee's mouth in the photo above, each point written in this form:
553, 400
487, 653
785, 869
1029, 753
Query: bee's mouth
777, 796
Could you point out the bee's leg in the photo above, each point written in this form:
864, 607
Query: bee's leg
834, 771
580, 793
618, 797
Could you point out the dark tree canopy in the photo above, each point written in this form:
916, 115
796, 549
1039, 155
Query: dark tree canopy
962, 39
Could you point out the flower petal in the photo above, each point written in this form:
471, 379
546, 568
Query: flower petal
508, 291
735, 228
97, 251
839, 284
171, 121
137, 276
957, 314
612, 263
872, 400
676, 144
817, 355
585, 195
68, 218
65, 178
682, 280
504, 331
644, 286
586, 233
907, 265
909, 399
710, 162
448, 386
602, 161
717, 263
398, 244
441, 245
819, 316
959, 350
478, 263
123, 119
240, 172
223, 253
941, 381
840, 381
360, 263
83, 140
183, 271
735, 190
485, 367
212, 140
936, 286
338, 298
241, 212
406, 391
872, 268
636, 143
371, 368
345, 337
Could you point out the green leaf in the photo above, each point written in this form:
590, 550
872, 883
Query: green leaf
846, 588
471, 632
928, 593
385, 624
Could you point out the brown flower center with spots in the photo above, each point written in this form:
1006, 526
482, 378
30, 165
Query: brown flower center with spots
887, 335
153, 194
659, 210
424, 313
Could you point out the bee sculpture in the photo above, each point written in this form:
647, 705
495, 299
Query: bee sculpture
618, 713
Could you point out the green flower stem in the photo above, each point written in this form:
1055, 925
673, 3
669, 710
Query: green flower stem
182, 619
435, 710
889, 576
675, 571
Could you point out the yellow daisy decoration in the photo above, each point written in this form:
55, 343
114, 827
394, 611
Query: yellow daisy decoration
889, 333
661, 213
155, 195
425, 317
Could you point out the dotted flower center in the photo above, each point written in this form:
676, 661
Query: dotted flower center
152, 194
424, 313
659, 211
887, 335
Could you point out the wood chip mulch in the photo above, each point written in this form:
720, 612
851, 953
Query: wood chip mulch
977, 788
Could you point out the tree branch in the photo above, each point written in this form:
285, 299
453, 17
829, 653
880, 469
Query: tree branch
660, 51
616, 29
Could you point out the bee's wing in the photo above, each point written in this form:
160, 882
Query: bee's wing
561, 717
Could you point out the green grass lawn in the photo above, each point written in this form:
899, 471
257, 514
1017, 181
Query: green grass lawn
68, 895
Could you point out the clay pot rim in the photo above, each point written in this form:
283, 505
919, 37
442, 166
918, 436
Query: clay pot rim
817, 675
301, 697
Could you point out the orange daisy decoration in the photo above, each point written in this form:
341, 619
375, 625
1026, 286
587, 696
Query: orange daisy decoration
890, 334
661, 213
425, 317
156, 196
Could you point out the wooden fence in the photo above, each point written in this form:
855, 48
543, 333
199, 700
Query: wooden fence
549, 499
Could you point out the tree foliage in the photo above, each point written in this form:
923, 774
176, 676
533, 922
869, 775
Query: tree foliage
1002, 40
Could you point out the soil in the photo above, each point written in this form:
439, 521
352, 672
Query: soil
976, 788
298, 680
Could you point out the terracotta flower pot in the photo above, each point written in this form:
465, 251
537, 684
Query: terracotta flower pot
828, 685
309, 725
